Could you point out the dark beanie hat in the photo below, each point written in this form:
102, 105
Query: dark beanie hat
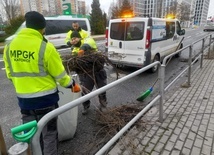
75, 34
35, 20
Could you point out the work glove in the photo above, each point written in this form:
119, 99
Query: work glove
80, 52
75, 87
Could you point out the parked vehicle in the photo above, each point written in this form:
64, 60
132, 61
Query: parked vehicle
140, 41
2, 33
57, 28
209, 26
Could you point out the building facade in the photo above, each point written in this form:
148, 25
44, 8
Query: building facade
52, 7
200, 11
144, 8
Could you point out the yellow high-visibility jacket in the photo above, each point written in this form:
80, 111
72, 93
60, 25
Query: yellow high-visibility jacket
84, 34
89, 44
33, 65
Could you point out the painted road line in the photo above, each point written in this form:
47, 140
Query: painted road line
188, 37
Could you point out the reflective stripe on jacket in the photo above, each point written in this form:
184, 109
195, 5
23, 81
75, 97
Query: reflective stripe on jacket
33, 65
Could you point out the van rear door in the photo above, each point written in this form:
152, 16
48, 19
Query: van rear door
126, 41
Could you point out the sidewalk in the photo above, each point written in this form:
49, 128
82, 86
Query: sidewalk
98, 37
188, 126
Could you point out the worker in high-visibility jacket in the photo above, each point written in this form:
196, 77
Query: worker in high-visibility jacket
82, 35
97, 78
35, 67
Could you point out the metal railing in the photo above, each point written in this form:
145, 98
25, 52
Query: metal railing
160, 97
44, 120
162, 90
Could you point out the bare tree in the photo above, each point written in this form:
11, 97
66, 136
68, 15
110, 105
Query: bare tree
111, 7
11, 8
159, 8
184, 12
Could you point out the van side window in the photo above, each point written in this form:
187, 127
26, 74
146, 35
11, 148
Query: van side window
61, 26
178, 28
170, 29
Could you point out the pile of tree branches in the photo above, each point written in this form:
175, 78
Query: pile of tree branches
88, 63
114, 119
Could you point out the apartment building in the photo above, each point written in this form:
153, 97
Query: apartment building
160, 8
29, 5
81, 9
52, 7
153, 8
200, 11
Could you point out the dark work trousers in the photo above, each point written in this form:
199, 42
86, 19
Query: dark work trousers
88, 81
49, 136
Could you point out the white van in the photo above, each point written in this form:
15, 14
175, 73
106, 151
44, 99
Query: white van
57, 28
140, 41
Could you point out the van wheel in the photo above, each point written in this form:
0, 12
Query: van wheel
155, 68
179, 54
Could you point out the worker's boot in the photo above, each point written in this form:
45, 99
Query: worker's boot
86, 106
103, 102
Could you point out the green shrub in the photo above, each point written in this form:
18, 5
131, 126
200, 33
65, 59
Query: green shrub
12, 28
2, 39
14, 25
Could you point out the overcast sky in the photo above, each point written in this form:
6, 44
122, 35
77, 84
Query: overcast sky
211, 8
104, 5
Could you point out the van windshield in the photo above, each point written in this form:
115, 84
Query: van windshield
61, 26
127, 31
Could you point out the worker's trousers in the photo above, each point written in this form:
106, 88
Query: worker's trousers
49, 136
88, 81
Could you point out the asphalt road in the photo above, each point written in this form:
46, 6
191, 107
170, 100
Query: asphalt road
87, 139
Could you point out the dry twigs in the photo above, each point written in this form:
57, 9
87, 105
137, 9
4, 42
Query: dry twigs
110, 121
86, 64
114, 119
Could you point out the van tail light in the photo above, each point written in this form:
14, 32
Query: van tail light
148, 38
106, 36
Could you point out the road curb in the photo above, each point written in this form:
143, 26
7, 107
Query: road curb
1, 49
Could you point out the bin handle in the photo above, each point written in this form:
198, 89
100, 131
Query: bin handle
24, 132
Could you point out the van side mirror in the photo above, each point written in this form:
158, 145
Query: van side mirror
181, 32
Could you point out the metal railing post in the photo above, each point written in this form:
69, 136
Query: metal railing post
202, 53
190, 65
213, 46
161, 75
210, 39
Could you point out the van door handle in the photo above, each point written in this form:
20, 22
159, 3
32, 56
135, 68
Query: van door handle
120, 44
